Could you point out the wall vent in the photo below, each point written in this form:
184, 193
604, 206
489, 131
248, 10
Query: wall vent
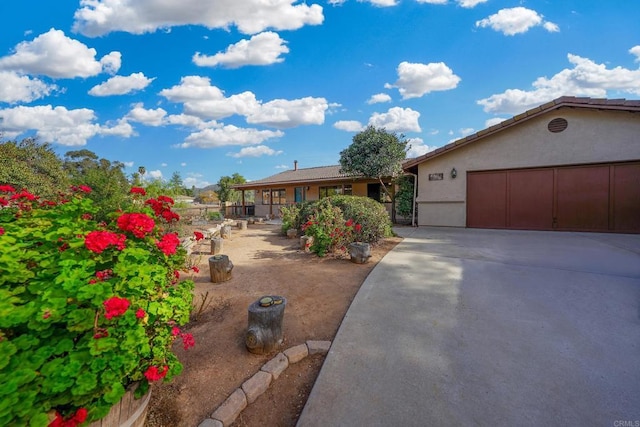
557, 125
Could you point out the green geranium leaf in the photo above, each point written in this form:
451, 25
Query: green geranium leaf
81, 320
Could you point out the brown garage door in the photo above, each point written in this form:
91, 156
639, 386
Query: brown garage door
602, 198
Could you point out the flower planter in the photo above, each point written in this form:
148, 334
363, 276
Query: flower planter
129, 412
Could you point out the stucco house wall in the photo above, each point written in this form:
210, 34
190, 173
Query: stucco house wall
592, 136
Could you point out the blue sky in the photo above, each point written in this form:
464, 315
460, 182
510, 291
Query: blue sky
210, 88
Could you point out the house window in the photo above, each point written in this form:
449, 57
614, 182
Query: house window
333, 190
266, 197
279, 197
298, 194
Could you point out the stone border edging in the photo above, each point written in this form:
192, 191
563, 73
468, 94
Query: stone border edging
252, 388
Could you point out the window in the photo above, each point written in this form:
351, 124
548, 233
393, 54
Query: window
279, 197
335, 190
298, 195
266, 197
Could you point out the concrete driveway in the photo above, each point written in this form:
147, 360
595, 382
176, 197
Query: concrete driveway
460, 327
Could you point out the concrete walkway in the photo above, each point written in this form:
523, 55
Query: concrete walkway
461, 327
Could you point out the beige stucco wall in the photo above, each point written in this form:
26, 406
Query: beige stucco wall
591, 137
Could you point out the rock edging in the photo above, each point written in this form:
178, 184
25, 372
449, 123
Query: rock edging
255, 386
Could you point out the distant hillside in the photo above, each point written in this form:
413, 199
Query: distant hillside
212, 187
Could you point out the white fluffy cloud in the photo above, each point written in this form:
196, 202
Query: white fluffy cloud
55, 55
636, 52
378, 98
416, 80
349, 125
470, 3
418, 148
257, 151
516, 20
58, 124
99, 17
203, 100
397, 120
148, 117
261, 49
155, 175
493, 121
16, 88
121, 85
283, 113
586, 78
228, 135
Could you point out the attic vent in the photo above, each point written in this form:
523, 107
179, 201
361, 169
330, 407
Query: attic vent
557, 125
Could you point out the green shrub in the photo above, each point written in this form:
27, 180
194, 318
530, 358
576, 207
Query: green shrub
290, 217
215, 216
368, 213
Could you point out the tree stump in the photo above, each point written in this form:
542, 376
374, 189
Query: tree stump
220, 267
264, 333
242, 225
251, 220
216, 245
225, 232
305, 243
359, 252
292, 233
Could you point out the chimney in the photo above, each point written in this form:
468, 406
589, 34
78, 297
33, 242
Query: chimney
295, 165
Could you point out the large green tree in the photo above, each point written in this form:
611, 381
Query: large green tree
34, 166
107, 179
375, 153
225, 192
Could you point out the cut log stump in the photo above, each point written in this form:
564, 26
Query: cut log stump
359, 252
264, 333
216, 245
242, 225
225, 232
220, 267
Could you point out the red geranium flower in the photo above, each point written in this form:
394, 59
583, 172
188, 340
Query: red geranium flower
168, 244
3, 201
97, 241
139, 224
195, 269
349, 223
115, 306
1, 231
7, 189
24, 194
153, 374
188, 341
140, 313
358, 227
175, 331
138, 190
198, 235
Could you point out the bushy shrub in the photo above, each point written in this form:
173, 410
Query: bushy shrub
86, 307
336, 221
290, 217
215, 216
368, 213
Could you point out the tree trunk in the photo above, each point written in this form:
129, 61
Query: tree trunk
359, 252
225, 232
264, 333
216, 245
220, 267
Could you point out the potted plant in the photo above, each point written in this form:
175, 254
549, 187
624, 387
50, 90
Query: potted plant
87, 308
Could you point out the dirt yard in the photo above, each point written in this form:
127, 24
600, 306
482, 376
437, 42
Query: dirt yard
318, 292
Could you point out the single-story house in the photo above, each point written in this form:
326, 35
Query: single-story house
302, 184
572, 164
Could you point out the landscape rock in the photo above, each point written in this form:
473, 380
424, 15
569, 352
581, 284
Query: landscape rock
231, 408
318, 347
276, 366
297, 353
256, 385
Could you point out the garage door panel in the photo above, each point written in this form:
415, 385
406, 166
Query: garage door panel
583, 198
531, 199
626, 198
487, 200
